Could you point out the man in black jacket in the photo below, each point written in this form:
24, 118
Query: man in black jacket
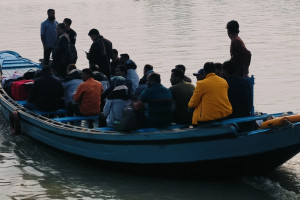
61, 53
47, 92
100, 53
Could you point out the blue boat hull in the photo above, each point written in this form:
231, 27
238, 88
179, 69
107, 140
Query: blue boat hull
215, 149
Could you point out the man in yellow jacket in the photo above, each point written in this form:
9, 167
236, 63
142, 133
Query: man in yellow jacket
210, 98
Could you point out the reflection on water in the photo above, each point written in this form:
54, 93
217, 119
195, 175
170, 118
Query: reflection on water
161, 33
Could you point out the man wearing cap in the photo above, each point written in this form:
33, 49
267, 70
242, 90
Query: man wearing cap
100, 53
199, 75
210, 98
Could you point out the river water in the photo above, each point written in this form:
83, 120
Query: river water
161, 33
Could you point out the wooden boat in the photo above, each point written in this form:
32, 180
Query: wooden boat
218, 148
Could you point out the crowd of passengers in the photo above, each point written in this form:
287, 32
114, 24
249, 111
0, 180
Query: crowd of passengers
111, 89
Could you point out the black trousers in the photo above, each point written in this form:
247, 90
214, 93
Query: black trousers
47, 52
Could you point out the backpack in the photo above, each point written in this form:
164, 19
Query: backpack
129, 121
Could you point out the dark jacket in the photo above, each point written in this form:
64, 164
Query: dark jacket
113, 65
61, 55
47, 93
239, 94
72, 35
100, 53
112, 86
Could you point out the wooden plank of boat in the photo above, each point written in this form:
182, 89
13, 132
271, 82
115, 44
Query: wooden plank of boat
217, 148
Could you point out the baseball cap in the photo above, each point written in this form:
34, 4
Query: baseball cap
200, 72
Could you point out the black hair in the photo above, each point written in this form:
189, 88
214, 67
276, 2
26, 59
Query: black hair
88, 72
62, 26
50, 10
125, 55
209, 67
148, 67
114, 51
123, 68
233, 27
46, 70
68, 21
229, 67
154, 78
94, 32
182, 67
218, 66
178, 73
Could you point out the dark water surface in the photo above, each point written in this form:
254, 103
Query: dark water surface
161, 33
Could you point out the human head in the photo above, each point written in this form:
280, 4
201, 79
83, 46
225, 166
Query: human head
67, 22
118, 80
147, 68
121, 70
70, 67
61, 28
93, 33
51, 14
181, 67
209, 67
176, 76
232, 28
219, 69
200, 74
123, 58
229, 68
86, 74
114, 54
46, 70
153, 78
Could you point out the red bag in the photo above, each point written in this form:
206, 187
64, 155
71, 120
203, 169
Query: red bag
19, 91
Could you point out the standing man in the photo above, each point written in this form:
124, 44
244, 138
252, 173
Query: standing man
49, 35
72, 35
61, 52
240, 55
100, 53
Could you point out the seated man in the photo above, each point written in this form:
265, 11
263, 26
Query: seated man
131, 73
156, 100
142, 83
121, 70
200, 74
181, 93
88, 95
115, 61
147, 70
210, 98
239, 92
47, 92
116, 101
71, 82
182, 67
